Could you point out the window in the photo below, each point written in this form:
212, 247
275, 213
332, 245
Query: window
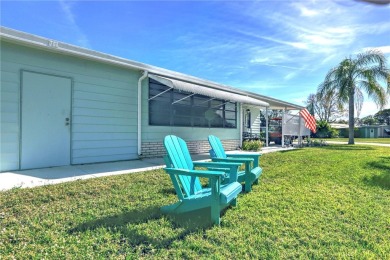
172, 107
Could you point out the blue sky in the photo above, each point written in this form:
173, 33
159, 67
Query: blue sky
278, 48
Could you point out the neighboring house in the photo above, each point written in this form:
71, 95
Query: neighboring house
373, 131
370, 131
63, 105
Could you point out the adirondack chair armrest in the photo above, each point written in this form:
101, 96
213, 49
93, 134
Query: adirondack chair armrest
195, 173
235, 160
254, 156
229, 165
244, 155
233, 167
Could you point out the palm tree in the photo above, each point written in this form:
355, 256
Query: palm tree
353, 76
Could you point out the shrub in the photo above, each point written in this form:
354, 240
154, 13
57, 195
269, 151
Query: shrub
313, 143
324, 130
345, 132
356, 132
253, 145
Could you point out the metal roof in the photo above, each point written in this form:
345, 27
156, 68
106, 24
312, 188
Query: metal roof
214, 93
46, 44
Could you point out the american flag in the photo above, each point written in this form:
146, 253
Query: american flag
310, 121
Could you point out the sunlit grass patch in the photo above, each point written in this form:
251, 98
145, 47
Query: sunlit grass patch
324, 202
362, 140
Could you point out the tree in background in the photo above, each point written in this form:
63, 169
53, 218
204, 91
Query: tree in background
383, 116
355, 75
369, 120
326, 108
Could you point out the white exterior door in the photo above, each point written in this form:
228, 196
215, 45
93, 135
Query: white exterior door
372, 135
46, 115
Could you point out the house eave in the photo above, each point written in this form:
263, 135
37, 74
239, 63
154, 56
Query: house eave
22, 38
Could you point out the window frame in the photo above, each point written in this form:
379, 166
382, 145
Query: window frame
175, 98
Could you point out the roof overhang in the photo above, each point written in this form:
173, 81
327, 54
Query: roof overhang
46, 44
207, 91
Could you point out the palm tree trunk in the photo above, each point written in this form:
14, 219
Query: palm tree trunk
351, 122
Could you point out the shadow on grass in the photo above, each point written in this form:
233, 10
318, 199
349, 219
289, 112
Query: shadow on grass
126, 224
337, 147
168, 191
289, 151
347, 147
382, 180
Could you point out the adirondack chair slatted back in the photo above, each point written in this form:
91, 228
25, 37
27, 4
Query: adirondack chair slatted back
217, 150
180, 158
174, 178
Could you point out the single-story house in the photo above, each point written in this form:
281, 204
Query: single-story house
368, 131
62, 105
373, 131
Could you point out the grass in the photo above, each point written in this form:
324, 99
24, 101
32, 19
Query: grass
324, 202
362, 140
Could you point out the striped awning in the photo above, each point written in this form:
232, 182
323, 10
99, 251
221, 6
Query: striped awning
206, 91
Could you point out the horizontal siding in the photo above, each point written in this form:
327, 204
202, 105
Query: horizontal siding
96, 112
86, 70
84, 128
79, 153
96, 144
100, 120
104, 136
103, 97
105, 158
94, 86
104, 117
8, 137
104, 104
9, 127
9, 117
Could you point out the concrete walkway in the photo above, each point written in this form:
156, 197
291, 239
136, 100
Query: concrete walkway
54, 175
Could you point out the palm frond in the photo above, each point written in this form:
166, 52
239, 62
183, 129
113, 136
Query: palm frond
372, 56
359, 99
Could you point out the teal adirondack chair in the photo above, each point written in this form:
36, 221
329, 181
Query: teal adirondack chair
185, 178
252, 170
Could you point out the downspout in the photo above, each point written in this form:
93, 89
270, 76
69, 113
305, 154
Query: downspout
240, 123
283, 125
266, 126
139, 123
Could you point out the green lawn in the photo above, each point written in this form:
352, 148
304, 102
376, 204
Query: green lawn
361, 140
325, 202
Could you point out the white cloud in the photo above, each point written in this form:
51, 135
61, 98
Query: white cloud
260, 86
297, 44
66, 7
290, 75
260, 60
306, 12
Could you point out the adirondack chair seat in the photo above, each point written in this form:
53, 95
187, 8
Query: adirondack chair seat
228, 193
248, 176
255, 173
253, 176
206, 198
185, 178
252, 170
